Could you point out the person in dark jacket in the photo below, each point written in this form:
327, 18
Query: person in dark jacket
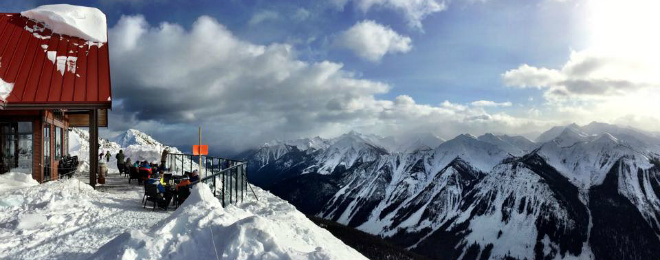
194, 176
120, 162
164, 197
128, 163
107, 156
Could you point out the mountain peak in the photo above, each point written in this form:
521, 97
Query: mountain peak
134, 137
607, 138
573, 125
570, 136
488, 137
466, 137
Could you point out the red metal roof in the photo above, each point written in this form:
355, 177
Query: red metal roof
30, 56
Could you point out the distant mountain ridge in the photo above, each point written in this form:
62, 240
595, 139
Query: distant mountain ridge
492, 196
134, 137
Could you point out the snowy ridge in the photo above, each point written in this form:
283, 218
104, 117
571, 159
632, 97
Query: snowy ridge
346, 150
135, 137
514, 145
482, 155
496, 196
587, 159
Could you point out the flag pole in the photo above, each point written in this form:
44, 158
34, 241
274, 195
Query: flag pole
200, 150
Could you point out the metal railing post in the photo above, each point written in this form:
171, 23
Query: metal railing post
240, 173
223, 189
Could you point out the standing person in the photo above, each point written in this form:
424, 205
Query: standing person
107, 156
163, 157
120, 161
101, 156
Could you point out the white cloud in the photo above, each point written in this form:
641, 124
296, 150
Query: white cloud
371, 41
301, 14
488, 103
587, 75
167, 80
263, 16
526, 76
413, 10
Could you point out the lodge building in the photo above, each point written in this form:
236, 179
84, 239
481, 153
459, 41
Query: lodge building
53, 82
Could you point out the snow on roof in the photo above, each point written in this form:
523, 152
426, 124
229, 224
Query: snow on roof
5, 89
83, 22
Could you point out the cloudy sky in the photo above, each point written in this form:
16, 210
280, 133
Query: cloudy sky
249, 71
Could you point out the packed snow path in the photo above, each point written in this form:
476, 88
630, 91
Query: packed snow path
68, 219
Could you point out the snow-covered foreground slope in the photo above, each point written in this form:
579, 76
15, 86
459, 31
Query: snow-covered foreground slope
66, 219
201, 229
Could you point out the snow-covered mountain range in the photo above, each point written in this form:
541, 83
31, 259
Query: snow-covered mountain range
564, 196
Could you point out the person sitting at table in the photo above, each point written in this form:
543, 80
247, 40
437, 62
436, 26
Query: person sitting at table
183, 190
184, 183
164, 197
144, 164
194, 177
128, 163
145, 167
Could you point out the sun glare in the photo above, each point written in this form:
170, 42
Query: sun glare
627, 27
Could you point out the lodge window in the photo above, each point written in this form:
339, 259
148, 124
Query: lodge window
46, 149
16, 147
58, 143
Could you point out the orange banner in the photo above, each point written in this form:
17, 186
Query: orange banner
200, 149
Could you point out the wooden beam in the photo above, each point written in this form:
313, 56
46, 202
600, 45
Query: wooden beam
93, 147
82, 120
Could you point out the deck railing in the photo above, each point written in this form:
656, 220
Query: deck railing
227, 178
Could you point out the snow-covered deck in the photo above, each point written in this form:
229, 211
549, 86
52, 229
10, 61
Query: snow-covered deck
68, 219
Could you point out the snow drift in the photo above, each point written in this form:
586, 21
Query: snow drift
201, 229
14, 180
65, 219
